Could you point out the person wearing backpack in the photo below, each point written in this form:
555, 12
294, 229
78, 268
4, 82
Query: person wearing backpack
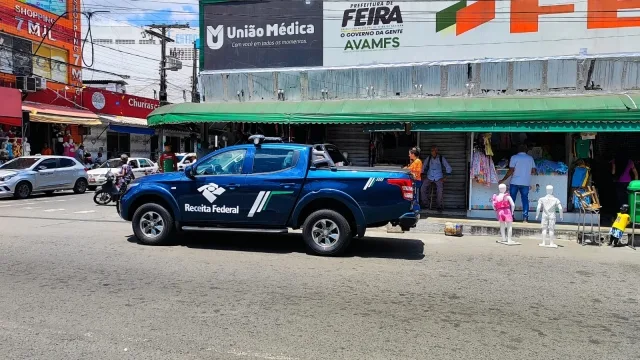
435, 170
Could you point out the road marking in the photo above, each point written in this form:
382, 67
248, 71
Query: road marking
31, 208
28, 204
3, 206
85, 212
52, 210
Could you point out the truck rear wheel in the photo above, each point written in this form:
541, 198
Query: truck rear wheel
326, 232
152, 224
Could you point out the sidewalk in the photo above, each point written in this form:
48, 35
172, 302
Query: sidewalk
435, 225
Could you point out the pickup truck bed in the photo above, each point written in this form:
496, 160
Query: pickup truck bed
269, 188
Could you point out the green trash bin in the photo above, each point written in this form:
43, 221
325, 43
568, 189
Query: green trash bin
634, 200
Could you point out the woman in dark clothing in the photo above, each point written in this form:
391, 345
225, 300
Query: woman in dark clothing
623, 171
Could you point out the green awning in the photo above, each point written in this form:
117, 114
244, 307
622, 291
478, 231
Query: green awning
458, 113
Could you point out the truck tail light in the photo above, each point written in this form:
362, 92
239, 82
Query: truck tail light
406, 185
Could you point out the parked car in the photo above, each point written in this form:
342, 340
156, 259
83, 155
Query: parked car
28, 174
269, 188
185, 159
140, 166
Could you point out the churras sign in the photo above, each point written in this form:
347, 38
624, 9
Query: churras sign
265, 34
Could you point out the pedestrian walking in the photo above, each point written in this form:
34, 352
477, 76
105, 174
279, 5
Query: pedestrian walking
168, 161
521, 167
435, 171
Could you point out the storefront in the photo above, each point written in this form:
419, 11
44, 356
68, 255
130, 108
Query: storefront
548, 125
58, 127
10, 122
123, 128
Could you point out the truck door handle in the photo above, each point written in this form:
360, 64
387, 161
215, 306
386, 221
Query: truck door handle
287, 185
233, 186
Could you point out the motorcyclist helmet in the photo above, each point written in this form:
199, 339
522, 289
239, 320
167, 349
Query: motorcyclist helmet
124, 158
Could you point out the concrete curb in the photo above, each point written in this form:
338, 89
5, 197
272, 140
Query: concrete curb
470, 229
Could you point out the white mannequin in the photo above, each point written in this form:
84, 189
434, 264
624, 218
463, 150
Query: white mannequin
26, 147
549, 204
505, 216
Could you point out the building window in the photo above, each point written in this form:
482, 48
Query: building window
15, 55
118, 144
184, 54
103, 41
51, 63
125, 41
147, 42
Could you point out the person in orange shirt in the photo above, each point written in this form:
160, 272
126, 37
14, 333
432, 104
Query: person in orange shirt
46, 150
415, 167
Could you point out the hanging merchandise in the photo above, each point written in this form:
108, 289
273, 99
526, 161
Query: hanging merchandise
487, 144
582, 148
483, 170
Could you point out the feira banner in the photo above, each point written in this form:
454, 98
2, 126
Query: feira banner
390, 32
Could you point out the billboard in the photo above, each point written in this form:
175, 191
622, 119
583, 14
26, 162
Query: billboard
26, 23
394, 32
263, 34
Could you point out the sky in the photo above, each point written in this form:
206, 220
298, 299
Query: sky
143, 12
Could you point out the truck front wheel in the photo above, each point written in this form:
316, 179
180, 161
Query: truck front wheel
326, 232
152, 224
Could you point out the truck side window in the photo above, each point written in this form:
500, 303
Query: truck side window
227, 163
268, 160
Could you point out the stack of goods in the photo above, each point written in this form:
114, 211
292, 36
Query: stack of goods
547, 167
451, 229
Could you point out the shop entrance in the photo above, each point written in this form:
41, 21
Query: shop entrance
118, 144
38, 135
454, 147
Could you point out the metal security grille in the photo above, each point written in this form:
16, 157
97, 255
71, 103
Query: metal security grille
353, 140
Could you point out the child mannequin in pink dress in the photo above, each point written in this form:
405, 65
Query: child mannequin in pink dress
504, 206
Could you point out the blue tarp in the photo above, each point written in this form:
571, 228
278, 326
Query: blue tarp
132, 130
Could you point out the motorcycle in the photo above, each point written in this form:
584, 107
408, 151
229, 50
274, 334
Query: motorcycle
109, 192
104, 194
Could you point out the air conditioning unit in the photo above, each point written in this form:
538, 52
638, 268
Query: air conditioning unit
26, 83
41, 83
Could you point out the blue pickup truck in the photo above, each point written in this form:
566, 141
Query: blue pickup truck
269, 188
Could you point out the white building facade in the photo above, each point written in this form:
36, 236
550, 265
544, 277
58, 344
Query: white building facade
129, 51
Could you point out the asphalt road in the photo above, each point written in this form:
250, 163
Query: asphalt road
75, 285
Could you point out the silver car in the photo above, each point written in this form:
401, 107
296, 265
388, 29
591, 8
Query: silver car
24, 175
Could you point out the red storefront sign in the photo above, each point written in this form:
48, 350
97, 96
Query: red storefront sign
112, 103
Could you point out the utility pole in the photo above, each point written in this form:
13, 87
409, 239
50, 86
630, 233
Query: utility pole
195, 96
164, 39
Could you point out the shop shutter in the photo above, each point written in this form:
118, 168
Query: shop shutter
353, 140
454, 147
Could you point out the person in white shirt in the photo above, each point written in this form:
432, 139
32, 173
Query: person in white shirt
521, 167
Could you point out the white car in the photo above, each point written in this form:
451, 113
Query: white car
140, 166
185, 159
24, 175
